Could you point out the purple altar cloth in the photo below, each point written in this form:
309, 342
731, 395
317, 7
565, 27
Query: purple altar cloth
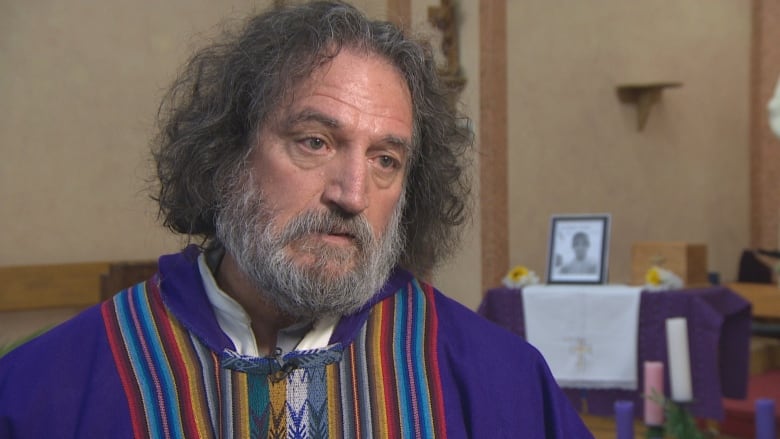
718, 335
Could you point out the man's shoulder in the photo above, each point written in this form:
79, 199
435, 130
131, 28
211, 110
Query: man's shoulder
66, 375
461, 325
70, 349
65, 337
466, 319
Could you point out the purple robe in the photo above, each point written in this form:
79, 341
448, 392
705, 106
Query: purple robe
66, 382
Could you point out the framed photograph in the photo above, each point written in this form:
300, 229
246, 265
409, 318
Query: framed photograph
579, 249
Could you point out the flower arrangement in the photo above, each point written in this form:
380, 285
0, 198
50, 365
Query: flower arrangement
658, 278
520, 276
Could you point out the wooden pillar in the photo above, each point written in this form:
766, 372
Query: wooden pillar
492, 142
764, 145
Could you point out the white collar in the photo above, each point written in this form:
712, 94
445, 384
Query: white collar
236, 324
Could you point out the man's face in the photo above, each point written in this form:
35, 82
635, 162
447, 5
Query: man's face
341, 146
580, 246
324, 184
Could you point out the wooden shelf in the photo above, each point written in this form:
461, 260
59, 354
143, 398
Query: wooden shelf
644, 96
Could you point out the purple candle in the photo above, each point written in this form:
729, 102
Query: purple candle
765, 419
624, 419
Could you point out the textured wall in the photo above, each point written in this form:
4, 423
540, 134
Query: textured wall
574, 148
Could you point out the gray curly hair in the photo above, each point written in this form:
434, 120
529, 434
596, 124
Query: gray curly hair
228, 90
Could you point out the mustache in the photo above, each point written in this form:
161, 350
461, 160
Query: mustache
330, 222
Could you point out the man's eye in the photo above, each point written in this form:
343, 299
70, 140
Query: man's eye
314, 143
386, 161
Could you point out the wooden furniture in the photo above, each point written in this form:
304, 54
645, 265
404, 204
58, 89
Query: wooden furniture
644, 96
37, 297
765, 299
50, 286
67, 285
121, 275
685, 259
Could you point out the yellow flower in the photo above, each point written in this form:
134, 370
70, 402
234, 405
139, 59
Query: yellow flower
520, 277
518, 273
653, 276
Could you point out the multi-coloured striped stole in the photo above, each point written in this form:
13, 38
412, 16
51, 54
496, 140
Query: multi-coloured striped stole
383, 384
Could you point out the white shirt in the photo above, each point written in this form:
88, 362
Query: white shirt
236, 324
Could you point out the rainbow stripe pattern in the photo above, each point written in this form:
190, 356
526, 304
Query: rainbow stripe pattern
384, 383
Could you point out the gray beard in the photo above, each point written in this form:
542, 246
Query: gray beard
332, 280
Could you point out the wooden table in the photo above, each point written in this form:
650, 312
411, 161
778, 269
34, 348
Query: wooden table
765, 299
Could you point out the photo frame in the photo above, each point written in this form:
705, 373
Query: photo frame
578, 249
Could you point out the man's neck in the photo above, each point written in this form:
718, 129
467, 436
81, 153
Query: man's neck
266, 319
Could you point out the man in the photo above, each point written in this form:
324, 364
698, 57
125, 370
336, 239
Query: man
317, 154
581, 264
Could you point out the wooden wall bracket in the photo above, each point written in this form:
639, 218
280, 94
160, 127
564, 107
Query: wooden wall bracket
644, 96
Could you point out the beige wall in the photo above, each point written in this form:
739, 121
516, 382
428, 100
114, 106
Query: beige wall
574, 148
80, 82
79, 88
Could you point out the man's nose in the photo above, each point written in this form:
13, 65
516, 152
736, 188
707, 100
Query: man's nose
347, 185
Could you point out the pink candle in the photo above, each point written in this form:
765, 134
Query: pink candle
654, 388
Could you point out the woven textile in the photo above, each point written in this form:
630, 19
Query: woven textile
385, 383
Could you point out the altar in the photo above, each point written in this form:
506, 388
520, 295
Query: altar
719, 325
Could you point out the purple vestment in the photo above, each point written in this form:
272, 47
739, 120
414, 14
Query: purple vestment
66, 384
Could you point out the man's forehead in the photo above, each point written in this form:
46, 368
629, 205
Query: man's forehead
377, 90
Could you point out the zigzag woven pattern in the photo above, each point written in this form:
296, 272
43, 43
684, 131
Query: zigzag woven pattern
384, 384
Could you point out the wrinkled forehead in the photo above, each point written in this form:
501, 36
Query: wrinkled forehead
358, 79
330, 60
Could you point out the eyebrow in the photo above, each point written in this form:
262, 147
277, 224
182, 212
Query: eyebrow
311, 115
